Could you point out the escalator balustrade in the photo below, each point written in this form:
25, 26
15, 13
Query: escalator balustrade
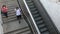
37, 17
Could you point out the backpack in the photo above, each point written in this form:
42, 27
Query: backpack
4, 9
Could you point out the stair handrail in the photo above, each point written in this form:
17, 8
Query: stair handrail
31, 17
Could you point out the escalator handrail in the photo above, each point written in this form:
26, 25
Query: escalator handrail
31, 17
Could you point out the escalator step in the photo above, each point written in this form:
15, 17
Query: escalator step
39, 22
33, 9
29, 4
43, 30
37, 15
38, 19
34, 12
28, 1
32, 6
41, 26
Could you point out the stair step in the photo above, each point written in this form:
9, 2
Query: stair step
11, 12
11, 8
26, 32
18, 30
11, 17
10, 20
30, 33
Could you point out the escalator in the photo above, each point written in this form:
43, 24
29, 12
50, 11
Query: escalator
40, 22
37, 17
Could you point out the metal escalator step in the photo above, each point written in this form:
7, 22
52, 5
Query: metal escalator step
33, 9
41, 25
31, 6
38, 19
28, 1
34, 12
39, 22
36, 15
43, 30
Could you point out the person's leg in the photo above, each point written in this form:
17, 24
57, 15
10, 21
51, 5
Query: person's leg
6, 17
20, 16
18, 19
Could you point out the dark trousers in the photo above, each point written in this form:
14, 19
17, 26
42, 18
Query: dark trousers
5, 14
18, 18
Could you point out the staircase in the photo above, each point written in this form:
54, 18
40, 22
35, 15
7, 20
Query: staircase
11, 13
13, 26
37, 17
24, 30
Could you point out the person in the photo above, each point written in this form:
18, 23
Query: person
4, 10
18, 14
